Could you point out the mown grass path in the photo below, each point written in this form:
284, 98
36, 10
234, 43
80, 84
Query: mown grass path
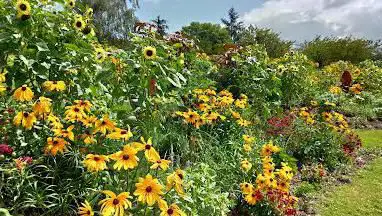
363, 196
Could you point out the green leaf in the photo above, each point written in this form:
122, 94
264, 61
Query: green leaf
42, 47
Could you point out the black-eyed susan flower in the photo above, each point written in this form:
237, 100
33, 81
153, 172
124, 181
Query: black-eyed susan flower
283, 186
104, 125
24, 93
245, 165
247, 147
113, 204
85, 209
271, 181
70, 3
162, 164
65, 133
191, 116
246, 188
88, 138
55, 145
261, 181
242, 122
42, 107
54, 121
175, 180
89, 121
74, 113
254, 197
95, 163
79, 23
83, 104
269, 149
54, 86
149, 53
172, 210
235, 115
150, 153
120, 134
26, 119
248, 139
126, 159
149, 190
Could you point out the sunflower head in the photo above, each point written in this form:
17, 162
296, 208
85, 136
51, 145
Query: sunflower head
89, 12
71, 3
149, 52
79, 23
23, 6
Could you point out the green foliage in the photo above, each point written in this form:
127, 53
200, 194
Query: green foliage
305, 188
274, 45
327, 50
209, 37
233, 25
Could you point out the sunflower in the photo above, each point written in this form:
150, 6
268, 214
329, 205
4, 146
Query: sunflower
120, 134
148, 190
246, 188
85, 209
26, 119
113, 204
161, 163
24, 93
100, 54
175, 180
89, 12
42, 106
54, 86
70, 3
104, 125
65, 133
254, 197
172, 210
245, 165
149, 53
95, 163
150, 153
125, 159
73, 113
55, 145
23, 9
79, 23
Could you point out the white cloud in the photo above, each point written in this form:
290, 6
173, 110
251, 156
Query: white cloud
304, 19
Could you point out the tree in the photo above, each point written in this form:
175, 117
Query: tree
208, 36
275, 46
233, 24
326, 50
113, 18
161, 25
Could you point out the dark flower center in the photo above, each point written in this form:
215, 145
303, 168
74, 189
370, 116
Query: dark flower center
125, 157
24, 88
147, 147
71, 3
25, 17
103, 123
123, 132
79, 24
149, 53
88, 212
253, 195
23, 7
26, 114
115, 202
149, 189
76, 109
55, 82
87, 30
55, 142
97, 159
159, 161
180, 176
170, 211
246, 185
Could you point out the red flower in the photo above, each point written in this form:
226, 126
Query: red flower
26, 159
5, 149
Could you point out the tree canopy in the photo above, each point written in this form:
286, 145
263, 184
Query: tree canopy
233, 25
209, 37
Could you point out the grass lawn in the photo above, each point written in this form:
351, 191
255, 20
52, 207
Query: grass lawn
364, 195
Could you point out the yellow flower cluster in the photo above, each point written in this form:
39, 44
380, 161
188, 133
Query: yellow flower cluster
23, 8
3, 87
335, 90
336, 121
336, 69
271, 181
306, 115
212, 107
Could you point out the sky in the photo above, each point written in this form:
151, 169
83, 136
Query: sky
296, 20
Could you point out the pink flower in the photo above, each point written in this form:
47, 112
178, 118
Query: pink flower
5, 149
26, 159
